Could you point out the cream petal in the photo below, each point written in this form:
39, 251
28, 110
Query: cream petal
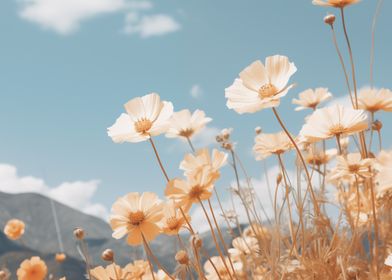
123, 130
152, 106
241, 99
279, 69
254, 76
161, 124
135, 109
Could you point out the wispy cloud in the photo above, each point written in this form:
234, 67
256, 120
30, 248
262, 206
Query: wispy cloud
66, 16
196, 91
78, 194
150, 25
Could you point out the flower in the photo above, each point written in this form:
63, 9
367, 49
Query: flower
193, 162
333, 121
259, 86
14, 229
146, 116
225, 272
139, 269
109, 272
384, 176
374, 100
242, 247
184, 124
173, 220
334, 3
274, 143
136, 215
318, 157
32, 269
195, 188
352, 167
311, 98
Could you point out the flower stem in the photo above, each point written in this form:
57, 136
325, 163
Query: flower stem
159, 159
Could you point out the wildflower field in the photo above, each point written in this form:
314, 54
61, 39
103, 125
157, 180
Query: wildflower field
332, 216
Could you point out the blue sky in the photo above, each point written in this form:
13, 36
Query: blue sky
65, 76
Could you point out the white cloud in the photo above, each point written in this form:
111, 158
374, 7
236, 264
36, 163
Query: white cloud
196, 91
65, 16
150, 25
77, 194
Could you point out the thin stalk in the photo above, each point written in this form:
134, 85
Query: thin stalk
190, 144
309, 187
215, 239
376, 14
335, 42
149, 262
159, 159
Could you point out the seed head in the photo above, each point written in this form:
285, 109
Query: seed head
182, 257
108, 255
79, 233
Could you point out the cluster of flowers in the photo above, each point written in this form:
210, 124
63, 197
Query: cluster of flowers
355, 244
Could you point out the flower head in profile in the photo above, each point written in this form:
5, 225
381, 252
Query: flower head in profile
32, 269
384, 176
311, 98
173, 220
136, 215
146, 116
184, 124
193, 162
14, 229
333, 121
243, 247
334, 3
318, 157
260, 86
109, 272
374, 100
195, 188
267, 144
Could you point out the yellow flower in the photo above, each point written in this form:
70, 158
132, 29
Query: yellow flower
173, 219
333, 121
14, 229
260, 86
374, 100
32, 269
109, 272
185, 124
146, 116
136, 215
267, 144
335, 3
195, 188
311, 98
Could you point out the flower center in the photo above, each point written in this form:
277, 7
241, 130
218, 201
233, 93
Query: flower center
136, 218
172, 223
196, 192
337, 129
267, 90
143, 125
353, 168
186, 132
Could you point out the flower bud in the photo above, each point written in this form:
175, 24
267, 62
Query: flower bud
377, 125
79, 233
182, 257
60, 257
329, 19
196, 241
279, 178
108, 255
258, 130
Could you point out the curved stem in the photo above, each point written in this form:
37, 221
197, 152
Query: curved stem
190, 144
159, 159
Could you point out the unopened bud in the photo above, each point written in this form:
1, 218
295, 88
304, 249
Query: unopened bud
219, 139
108, 255
79, 233
329, 19
279, 178
196, 241
60, 257
377, 125
182, 257
3, 274
258, 130
227, 146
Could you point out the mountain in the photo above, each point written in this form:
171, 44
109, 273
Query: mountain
40, 237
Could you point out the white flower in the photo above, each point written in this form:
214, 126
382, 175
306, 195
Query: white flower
185, 124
